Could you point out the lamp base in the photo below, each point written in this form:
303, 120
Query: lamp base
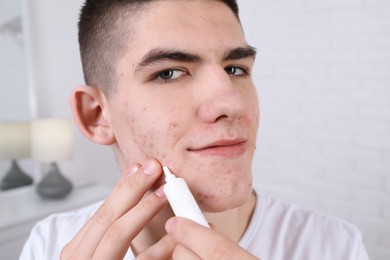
15, 178
54, 185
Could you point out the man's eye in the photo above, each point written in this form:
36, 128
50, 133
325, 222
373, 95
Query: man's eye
170, 74
235, 71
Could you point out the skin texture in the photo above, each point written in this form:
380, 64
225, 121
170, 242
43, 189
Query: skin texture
203, 105
184, 97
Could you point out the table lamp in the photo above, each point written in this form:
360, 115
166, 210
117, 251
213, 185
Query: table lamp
51, 142
15, 144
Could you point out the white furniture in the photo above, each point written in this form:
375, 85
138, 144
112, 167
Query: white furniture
21, 208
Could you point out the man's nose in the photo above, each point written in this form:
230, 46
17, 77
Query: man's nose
222, 97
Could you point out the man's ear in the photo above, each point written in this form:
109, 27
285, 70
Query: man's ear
90, 111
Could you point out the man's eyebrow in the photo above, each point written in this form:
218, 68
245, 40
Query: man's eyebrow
157, 55
240, 53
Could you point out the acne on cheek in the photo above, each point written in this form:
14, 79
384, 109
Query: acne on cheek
203, 198
172, 125
163, 156
148, 142
140, 138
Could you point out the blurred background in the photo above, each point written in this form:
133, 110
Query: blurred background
323, 79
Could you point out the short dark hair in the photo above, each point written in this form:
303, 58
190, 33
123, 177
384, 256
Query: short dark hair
101, 38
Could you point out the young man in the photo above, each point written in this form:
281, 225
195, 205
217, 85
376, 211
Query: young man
169, 83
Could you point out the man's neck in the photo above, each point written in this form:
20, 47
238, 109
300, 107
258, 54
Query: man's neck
232, 223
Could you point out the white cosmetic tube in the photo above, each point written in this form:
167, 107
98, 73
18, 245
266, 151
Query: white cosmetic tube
181, 199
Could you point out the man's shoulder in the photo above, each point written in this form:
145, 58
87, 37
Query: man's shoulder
288, 231
72, 216
63, 225
297, 218
49, 235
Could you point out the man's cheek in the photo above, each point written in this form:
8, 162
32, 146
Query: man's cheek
151, 144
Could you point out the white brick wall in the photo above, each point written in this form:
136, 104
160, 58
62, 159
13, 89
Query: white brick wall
323, 78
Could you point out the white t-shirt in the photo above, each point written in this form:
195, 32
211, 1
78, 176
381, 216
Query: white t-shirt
278, 230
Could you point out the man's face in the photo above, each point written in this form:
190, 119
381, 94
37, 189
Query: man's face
184, 97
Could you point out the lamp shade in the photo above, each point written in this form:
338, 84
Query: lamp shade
14, 140
51, 140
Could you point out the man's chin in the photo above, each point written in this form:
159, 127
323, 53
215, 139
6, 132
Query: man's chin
216, 203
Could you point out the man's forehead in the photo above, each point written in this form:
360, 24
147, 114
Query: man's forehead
164, 20
160, 7
192, 33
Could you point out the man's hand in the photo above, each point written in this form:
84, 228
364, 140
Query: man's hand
189, 240
125, 212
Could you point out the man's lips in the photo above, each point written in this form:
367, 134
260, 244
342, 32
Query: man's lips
225, 148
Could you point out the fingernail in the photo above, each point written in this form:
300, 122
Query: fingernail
170, 225
160, 192
150, 168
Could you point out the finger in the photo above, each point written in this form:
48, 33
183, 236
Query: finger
70, 248
119, 235
125, 195
182, 252
163, 249
205, 242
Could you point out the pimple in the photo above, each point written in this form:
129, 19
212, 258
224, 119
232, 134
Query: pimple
172, 125
203, 197
141, 140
